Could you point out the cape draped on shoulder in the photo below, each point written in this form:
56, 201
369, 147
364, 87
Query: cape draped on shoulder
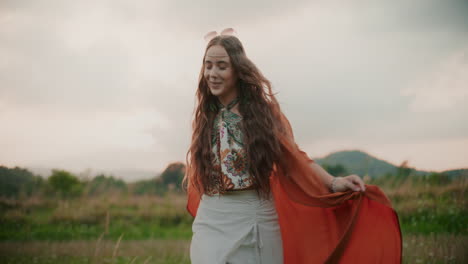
318, 226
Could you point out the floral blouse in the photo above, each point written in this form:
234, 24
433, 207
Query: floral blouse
230, 164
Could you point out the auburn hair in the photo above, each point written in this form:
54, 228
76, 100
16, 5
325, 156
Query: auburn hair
260, 124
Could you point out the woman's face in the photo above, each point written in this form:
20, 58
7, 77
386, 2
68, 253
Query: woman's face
219, 73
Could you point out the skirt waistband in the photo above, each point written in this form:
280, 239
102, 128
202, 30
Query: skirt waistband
241, 201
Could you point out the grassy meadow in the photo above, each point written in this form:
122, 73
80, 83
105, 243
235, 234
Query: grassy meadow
117, 228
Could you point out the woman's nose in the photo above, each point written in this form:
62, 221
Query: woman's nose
212, 75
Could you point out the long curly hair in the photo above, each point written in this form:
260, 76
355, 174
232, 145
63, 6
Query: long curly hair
261, 123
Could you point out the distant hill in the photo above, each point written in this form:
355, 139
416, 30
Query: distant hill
361, 163
456, 173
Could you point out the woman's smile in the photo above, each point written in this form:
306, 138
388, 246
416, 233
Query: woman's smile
215, 85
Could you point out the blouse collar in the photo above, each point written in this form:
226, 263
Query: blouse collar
226, 113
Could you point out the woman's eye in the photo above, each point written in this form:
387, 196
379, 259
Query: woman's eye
209, 68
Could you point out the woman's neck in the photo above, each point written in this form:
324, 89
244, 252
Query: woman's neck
225, 100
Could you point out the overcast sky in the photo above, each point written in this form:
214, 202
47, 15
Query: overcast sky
111, 84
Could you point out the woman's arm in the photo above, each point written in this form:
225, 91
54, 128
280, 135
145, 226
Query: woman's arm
351, 182
326, 177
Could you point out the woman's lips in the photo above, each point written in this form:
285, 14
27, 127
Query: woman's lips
215, 84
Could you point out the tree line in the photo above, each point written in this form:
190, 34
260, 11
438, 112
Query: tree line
19, 182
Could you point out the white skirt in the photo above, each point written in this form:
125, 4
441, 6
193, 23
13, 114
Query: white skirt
236, 228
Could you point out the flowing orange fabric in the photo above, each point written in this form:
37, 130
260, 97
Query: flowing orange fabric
318, 226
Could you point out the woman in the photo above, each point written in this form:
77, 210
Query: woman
256, 197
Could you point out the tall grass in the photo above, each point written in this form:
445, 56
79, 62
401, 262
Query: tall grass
150, 229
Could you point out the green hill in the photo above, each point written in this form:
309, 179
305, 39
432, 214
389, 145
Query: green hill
361, 163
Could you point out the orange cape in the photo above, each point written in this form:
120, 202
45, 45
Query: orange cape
318, 226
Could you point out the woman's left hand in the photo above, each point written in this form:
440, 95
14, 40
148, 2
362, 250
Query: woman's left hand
350, 182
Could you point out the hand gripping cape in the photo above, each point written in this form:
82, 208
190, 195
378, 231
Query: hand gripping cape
318, 226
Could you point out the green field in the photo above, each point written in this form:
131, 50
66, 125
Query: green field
150, 229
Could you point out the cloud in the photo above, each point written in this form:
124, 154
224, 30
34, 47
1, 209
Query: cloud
444, 88
112, 83
419, 16
35, 135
